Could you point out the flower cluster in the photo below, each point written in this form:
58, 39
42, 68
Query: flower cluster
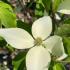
41, 45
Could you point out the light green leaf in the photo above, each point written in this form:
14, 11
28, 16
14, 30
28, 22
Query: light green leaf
58, 66
6, 6
56, 4
7, 18
39, 11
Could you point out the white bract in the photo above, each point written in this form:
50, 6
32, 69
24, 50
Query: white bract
41, 45
57, 16
64, 7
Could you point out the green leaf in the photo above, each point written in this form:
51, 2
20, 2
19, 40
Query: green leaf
17, 64
6, 6
67, 21
58, 66
2, 42
39, 11
6, 1
66, 41
56, 4
63, 30
51, 65
10, 48
19, 61
22, 65
7, 18
67, 60
47, 4
24, 25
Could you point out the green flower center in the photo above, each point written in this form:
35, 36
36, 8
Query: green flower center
38, 41
54, 57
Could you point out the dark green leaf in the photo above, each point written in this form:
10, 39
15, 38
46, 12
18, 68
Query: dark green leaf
63, 30
22, 66
47, 4
24, 25
51, 65
67, 60
67, 21
2, 42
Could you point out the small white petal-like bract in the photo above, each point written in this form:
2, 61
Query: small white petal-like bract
38, 57
64, 7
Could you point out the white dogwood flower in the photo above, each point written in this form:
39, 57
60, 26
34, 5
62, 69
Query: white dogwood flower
41, 45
